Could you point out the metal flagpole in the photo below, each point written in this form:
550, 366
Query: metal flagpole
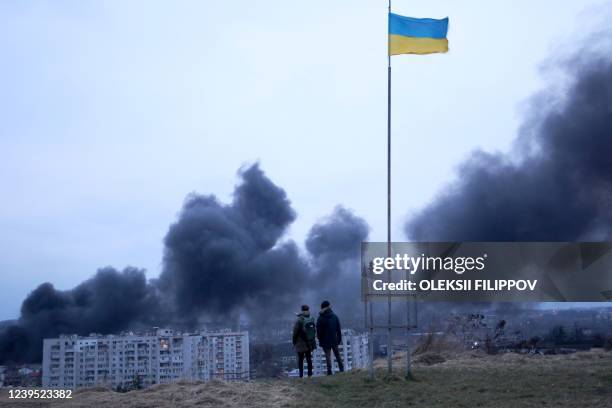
409, 323
389, 338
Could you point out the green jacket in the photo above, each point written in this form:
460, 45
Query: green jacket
300, 342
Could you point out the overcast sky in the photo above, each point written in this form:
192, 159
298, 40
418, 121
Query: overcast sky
112, 111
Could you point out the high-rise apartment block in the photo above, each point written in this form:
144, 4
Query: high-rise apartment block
144, 359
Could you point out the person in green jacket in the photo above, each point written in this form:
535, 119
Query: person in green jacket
304, 339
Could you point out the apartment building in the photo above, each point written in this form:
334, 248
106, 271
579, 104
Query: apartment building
229, 356
159, 357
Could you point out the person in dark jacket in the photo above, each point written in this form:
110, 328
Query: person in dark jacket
329, 335
304, 339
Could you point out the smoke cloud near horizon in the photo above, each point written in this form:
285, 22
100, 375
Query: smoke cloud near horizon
110, 301
221, 262
555, 186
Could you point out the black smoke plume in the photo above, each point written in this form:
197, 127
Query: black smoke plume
111, 301
561, 187
333, 246
221, 262
224, 259
556, 185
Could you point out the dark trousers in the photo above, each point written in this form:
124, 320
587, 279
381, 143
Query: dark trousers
308, 355
329, 361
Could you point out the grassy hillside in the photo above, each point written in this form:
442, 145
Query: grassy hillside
469, 380
578, 380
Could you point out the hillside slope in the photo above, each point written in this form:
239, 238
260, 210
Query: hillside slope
469, 380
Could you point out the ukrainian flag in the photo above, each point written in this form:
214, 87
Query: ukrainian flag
409, 35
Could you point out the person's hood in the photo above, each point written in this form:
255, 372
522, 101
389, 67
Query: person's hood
303, 314
326, 312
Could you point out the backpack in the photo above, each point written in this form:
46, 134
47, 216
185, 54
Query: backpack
310, 330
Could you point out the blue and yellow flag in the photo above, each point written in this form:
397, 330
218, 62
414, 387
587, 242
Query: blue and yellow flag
409, 35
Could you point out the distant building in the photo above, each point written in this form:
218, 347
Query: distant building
354, 351
28, 375
130, 360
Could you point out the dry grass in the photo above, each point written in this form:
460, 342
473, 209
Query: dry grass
273, 394
475, 379
471, 379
